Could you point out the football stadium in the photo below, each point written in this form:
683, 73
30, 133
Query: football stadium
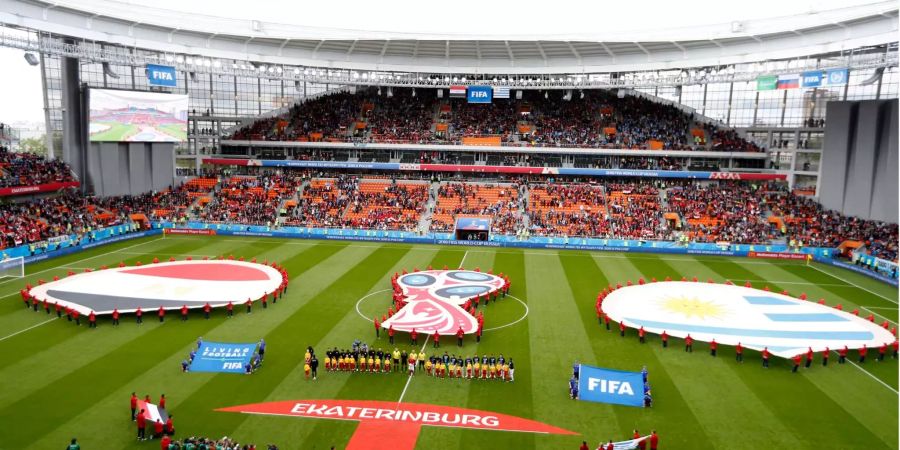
653, 225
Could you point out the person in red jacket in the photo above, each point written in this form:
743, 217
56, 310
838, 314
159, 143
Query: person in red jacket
881, 351
894, 346
622, 328
165, 442
665, 339
265, 301
377, 328
133, 402
641, 333
162, 401
739, 353
765, 357
139, 315
141, 426
584, 446
689, 344
459, 337
206, 310
713, 346
115, 317
842, 355
809, 357
76, 315
606, 321
797, 358
437, 339
92, 320
184, 313
58, 309
643, 444
170, 427
654, 440
158, 428
229, 308
391, 334
46, 306
862, 354
161, 312
825, 356
478, 331
249, 306
414, 337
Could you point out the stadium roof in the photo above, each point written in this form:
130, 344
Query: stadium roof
638, 43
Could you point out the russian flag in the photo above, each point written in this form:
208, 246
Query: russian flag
788, 81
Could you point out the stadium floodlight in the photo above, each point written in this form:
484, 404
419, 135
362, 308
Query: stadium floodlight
109, 72
296, 71
169, 58
207, 63
189, 60
32, 60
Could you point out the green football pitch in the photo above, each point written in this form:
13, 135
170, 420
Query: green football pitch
60, 381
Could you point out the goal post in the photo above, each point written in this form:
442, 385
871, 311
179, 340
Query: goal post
12, 267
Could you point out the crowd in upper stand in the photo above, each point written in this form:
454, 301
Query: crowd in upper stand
28, 169
592, 118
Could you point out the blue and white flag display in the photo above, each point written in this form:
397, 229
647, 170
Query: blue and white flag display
596, 384
732, 315
222, 357
501, 92
629, 444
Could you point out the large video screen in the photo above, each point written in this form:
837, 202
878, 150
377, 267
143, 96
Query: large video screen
131, 116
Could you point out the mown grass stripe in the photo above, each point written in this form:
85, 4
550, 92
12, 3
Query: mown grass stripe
159, 371
586, 280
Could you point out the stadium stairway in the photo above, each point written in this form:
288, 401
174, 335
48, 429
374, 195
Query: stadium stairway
425, 220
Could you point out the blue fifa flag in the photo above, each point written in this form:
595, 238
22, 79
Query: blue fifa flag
161, 75
837, 77
596, 384
480, 94
811, 79
222, 357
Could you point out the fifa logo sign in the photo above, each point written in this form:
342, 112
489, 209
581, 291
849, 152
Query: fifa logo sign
610, 386
231, 365
162, 76
479, 94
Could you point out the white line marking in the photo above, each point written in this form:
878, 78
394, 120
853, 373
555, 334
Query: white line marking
870, 375
83, 259
29, 328
892, 308
879, 315
409, 378
464, 259
854, 284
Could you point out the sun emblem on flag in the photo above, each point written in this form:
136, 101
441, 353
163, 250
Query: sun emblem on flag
691, 306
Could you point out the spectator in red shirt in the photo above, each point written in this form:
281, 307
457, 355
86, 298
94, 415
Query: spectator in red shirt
133, 402
654, 440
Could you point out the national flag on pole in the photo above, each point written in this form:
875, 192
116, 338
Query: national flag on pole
630, 444
457, 91
789, 81
153, 412
501, 92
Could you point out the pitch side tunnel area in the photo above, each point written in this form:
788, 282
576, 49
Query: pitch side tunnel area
63, 380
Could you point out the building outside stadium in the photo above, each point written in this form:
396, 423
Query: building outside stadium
754, 159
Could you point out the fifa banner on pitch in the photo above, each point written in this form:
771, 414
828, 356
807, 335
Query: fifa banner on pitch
222, 357
596, 384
